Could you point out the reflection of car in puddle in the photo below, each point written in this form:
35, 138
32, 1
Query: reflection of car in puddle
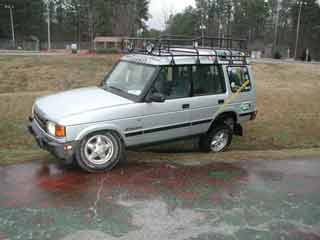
53, 183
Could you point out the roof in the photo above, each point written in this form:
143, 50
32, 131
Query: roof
109, 39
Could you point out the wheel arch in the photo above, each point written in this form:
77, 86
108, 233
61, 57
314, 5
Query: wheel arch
222, 117
108, 128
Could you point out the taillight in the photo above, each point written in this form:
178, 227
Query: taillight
254, 115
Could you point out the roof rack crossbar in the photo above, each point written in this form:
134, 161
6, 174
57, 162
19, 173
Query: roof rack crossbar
231, 56
198, 58
187, 53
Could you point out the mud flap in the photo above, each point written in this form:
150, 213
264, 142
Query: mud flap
238, 130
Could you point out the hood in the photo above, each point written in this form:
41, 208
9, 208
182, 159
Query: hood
64, 104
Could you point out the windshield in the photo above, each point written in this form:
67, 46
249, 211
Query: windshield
130, 78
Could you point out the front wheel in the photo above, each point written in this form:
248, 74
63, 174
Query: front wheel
100, 152
218, 139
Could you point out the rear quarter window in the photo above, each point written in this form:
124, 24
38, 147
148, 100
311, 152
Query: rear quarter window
239, 78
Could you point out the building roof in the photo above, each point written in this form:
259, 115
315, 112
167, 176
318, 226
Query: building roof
109, 39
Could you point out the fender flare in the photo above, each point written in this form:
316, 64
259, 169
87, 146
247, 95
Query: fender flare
106, 127
224, 115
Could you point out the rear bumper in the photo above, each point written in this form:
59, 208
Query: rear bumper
64, 151
250, 116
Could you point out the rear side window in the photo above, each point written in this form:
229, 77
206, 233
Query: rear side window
174, 82
239, 78
208, 80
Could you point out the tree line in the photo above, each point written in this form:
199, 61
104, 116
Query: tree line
271, 23
267, 24
74, 20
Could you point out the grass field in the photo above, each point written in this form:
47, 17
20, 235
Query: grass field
288, 102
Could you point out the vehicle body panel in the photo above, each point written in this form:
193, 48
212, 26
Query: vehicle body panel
167, 120
75, 102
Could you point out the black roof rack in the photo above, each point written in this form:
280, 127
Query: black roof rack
226, 49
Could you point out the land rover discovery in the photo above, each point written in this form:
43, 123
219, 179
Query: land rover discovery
152, 95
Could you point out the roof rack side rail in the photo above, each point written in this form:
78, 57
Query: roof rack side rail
173, 62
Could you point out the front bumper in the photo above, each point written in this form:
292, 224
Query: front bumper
64, 151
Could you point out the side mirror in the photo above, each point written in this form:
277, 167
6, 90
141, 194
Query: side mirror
157, 97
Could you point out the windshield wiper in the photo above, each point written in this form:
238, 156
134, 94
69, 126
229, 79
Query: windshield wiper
115, 88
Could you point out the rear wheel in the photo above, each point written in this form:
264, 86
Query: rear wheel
100, 152
218, 139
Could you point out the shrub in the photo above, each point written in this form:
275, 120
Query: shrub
304, 56
277, 55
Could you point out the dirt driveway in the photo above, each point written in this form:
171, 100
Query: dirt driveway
241, 200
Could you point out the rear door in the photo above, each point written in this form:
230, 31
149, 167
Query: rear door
242, 85
209, 94
171, 119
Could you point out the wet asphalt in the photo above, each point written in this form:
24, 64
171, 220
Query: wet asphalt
242, 200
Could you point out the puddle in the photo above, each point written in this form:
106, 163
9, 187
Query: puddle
159, 201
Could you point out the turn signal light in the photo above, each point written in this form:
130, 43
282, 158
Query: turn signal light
60, 131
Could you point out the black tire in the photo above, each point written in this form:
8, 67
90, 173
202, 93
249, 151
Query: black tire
117, 154
206, 140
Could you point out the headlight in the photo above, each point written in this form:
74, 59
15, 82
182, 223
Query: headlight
51, 128
56, 130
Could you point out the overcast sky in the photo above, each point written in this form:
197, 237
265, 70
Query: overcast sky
160, 9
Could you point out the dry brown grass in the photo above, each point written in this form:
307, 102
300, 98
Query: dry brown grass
288, 99
288, 102
51, 73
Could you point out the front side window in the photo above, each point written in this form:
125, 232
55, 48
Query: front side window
239, 79
174, 82
130, 78
208, 80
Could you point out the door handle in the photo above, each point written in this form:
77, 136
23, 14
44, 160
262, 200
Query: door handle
185, 106
221, 101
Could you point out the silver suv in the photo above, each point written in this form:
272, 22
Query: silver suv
152, 95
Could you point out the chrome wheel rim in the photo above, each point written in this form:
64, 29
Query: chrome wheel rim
99, 150
219, 141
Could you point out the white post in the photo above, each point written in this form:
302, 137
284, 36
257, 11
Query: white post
12, 26
307, 54
220, 34
275, 42
298, 30
202, 34
203, 28
49, 26
10, 7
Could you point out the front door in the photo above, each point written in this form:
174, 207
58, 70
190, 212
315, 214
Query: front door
170, 119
